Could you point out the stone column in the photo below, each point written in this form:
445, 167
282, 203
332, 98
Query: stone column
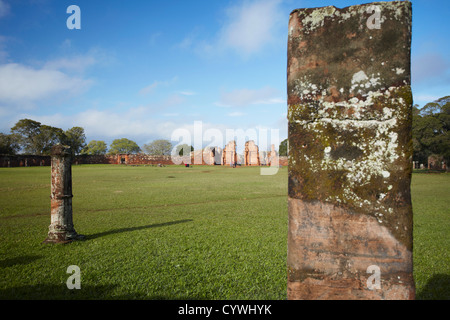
61, 229
273, 156
252, 153
218, 156
229, 153
350, 152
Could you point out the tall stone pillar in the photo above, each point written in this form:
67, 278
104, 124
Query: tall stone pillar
350, 152
229, 153
61, 229
251, 154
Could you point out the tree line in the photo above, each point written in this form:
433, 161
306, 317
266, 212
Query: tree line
430, 130
32, 137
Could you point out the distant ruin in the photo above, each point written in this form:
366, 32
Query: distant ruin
209, 156
251, 154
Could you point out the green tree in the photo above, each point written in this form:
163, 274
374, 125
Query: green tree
95, 147
8, 144
123, 146
430, 130
283, 149
182, 148
36, 138
48, 137
26, 132
159, 147
76, 139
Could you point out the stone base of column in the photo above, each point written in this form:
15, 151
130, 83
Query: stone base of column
59, 234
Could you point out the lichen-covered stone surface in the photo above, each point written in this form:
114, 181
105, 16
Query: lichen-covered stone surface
350, 151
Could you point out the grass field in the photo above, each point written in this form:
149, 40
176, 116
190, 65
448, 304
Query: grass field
206, 232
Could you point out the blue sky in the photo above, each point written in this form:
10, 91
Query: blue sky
143, 69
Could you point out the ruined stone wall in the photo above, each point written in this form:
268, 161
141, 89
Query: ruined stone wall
145, 159
209, 156
130, 159
436, 162
24, 161
93, 159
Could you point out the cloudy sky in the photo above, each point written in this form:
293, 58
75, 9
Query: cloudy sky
143, 69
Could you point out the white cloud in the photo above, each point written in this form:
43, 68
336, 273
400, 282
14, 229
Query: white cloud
141, 126
4, 8
154, 37
251, 25
236, 114
148, 89
430, 67
246, 97
187, 93
22, 84
137, 124
104, 123
77, 64
3, 53
424, 98
173, 100
189, 40
66, 44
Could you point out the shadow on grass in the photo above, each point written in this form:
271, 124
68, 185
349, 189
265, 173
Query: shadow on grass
437, 288
18, 260
61, 292
53, 292
106, 233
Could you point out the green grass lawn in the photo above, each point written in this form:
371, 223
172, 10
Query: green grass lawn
206, 232
431, 208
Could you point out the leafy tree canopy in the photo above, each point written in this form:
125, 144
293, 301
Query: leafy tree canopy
123, 146
283, 149
36, 138
76, 139
182, 148
159, 147
8, 144
430, 130
95, 147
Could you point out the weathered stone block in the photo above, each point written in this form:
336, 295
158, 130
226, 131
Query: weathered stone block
229, 156
350, 151
251, 154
